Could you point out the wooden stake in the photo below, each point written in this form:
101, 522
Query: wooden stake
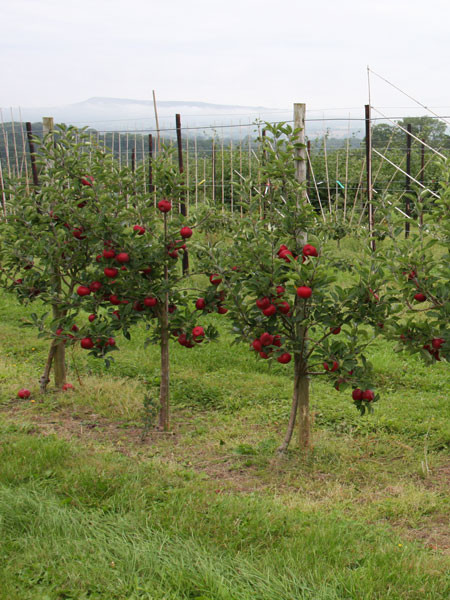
369, 174
408, 179
14, 142
182, 200
156, 121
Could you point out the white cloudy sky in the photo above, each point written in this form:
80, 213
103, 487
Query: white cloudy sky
249, 52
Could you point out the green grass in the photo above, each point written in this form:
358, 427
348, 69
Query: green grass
89, 511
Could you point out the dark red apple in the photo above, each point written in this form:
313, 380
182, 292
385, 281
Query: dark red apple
110, 272
200, 304
284, 358
215, 279
334, 367
263, 303
87, 343
95, 286
139, 229
357, 394
150, 301
368, 395
23, 393
123, 257
270, 310
420, 297
92, 317
108, 253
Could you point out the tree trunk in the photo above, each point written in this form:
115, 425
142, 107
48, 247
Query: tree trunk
164, 389
59, 356
304, 437
164, 395
44, 380
294, 407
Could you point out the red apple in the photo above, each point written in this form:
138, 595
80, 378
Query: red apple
123, 257
23, 393
138, 306
186, 232
368, 395
198, 332
139, 229
309, 250
285, 254
173, 254
304, 292
257, 345
108, 253
266, 339
200, 304
110, 272
92, 317
67, 386
357, 394
150, 301
270, 310
114, 299
87, 343
83, 290
215, 279
284, 308
95, 286
77, 233
263, 303
172, 308
164, 206
437, 343
284, 358
74, 328
280, 290
222, 310
334, 367
335, 330
146, 271
420, 297
111, 342
87, 180
264, 355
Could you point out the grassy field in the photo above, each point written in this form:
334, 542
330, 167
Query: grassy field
90, 511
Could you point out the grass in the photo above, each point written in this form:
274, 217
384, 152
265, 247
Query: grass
87, 510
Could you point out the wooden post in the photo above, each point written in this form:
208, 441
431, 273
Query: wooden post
408, 178
422, 175
156, 121
47, 125
301, 379
32, 153
151, 187
182, 200
369, 174
300, 165
213, 168
308, 167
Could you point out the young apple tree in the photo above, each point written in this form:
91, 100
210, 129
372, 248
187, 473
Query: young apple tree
292, 296
141, 276
51, 236
418, 285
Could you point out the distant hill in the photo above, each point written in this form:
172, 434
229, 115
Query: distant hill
126, 114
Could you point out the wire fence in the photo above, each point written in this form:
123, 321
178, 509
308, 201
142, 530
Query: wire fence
217, 157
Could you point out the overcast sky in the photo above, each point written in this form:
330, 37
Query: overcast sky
246, 52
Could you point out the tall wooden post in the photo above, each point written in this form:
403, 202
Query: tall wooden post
408, 178
301, 384
32, 153
151, 187
182, 199
369, 175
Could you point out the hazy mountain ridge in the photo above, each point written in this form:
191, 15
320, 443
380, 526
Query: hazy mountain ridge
127, 114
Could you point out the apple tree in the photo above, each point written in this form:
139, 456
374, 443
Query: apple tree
418, 276
52, 234
292, 297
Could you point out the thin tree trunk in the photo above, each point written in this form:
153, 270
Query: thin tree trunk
164, 396
59, 357
294, 406
304, 438
44, 380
